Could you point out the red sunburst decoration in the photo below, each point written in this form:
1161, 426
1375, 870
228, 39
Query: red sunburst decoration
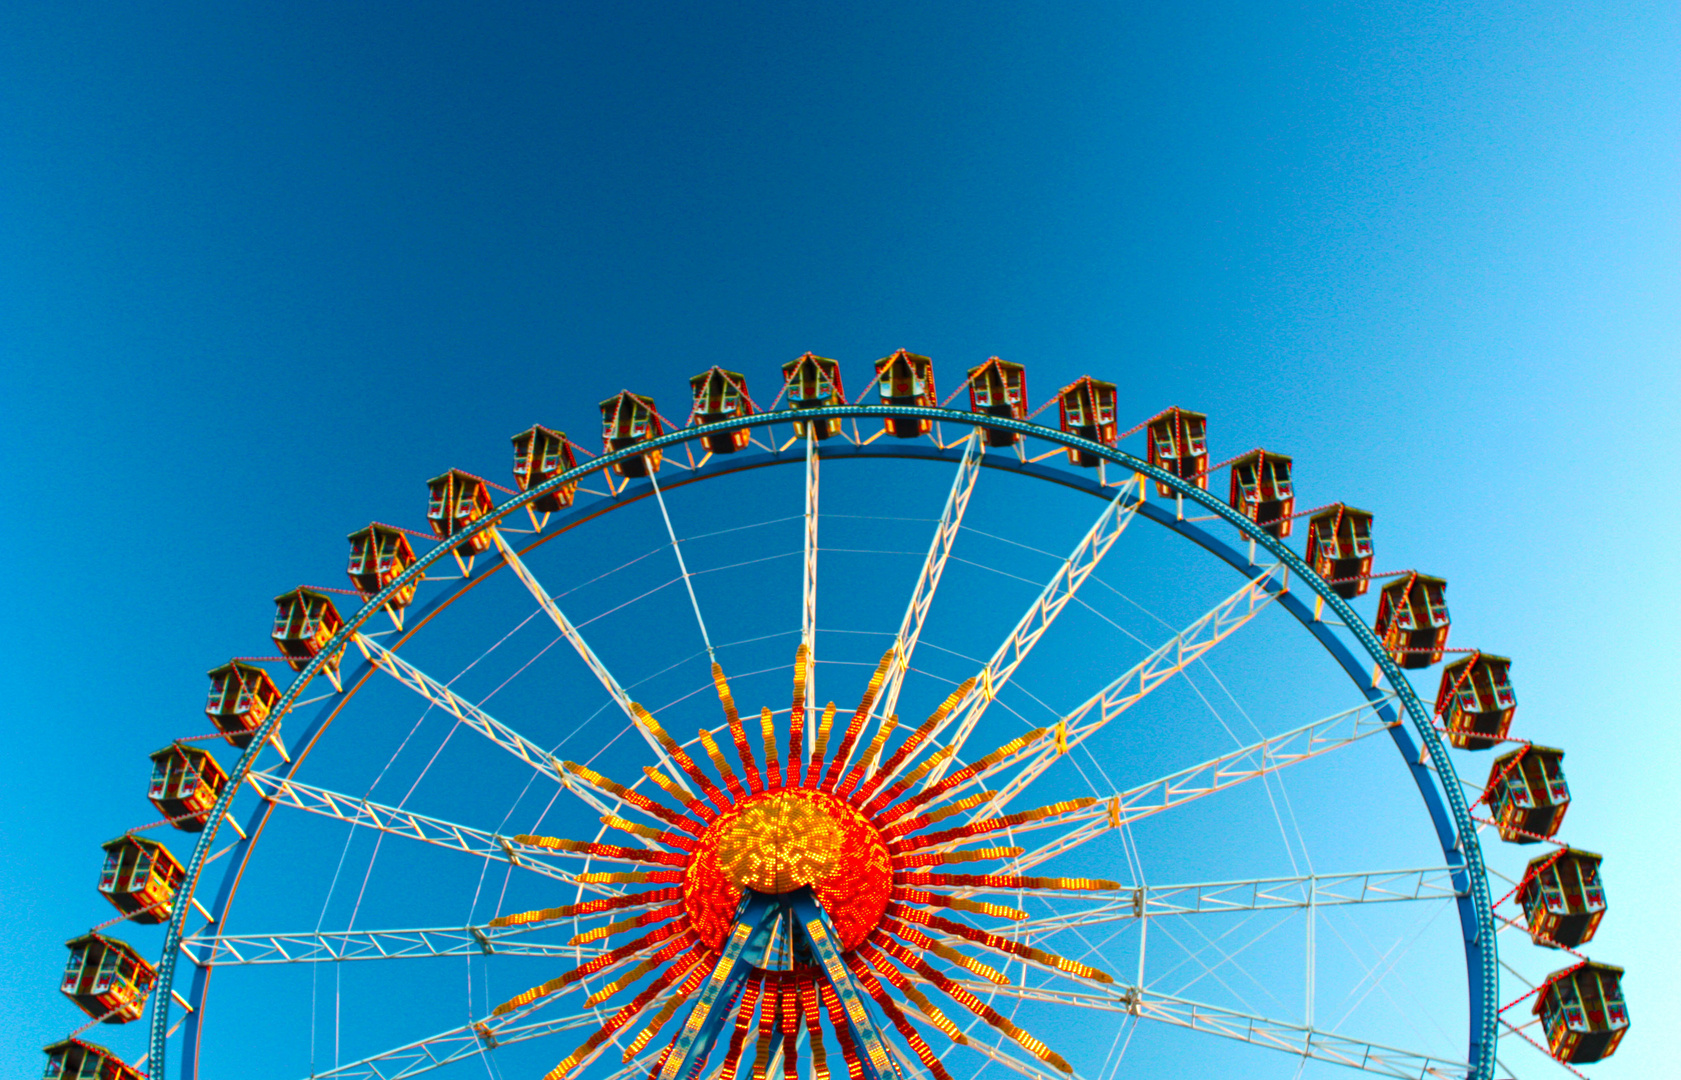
854, 833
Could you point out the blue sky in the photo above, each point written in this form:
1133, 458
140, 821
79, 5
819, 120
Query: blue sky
265, 269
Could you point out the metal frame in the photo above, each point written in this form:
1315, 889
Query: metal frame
1421, 747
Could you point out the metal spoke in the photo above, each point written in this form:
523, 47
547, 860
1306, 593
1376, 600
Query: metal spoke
1201, 898
460, 708
570, 632
1298, 1039
808, 580
470, 1040
922, 596
390, 819
1074, 571
682, 567
1172, 657
215, 950
1217, 774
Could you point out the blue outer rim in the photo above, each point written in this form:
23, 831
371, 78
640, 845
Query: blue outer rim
1455, 829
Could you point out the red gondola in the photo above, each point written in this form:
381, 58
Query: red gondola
106, 978
304, 622
1475, 700
378, 556
540, 455
1263, 491
907, 379
721, 395
1086, 407
1412, 620
999, 388
813, 382
453, 502
140, 877
1526, 794
1178, 443
1563, 898
241, 697
1339, 548
1583, 1012
626, 420
186, 782
74, 1059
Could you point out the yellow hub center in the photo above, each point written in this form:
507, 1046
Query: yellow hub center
780, 844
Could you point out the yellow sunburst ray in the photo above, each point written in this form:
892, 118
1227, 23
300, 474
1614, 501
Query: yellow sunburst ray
619, 1020
923, 820
896, 978
587, 907
910, 935
937, 858
975, 1005
855, 776
646, 721
719, 762
697, 976
956, 903
610, 852
796, 717
738, 734
743, 1025
646, 918
908, 781
633, 798
895, 1016
912, 742
821, 748
604, 962
969, 773
860, 716
672, 788
991, 825
773, 764
999, 944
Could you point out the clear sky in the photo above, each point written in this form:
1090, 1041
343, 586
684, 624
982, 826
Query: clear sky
265, 268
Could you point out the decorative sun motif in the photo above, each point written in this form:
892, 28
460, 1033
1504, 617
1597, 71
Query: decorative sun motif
853, 833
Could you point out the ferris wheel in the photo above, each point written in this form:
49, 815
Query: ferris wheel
599, 777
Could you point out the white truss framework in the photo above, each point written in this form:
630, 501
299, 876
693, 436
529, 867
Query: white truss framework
570, 632
808, 583
1297, 1039
214, 950
1168, 660
1073, 572
428, 830
922, 596
470, 1040
460, 708
1261, 894
1217, 774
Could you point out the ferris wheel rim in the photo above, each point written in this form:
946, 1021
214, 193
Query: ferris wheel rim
1462, 851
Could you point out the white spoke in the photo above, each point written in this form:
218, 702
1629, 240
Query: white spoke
485, 724
1074, 571
558, 617
389, 819
1217, 774
1172, 657
460, 708
1260, 894
469, 1041
213, 950
922, 596
682, 567
1300, 1040
1297, 1039
808, 580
